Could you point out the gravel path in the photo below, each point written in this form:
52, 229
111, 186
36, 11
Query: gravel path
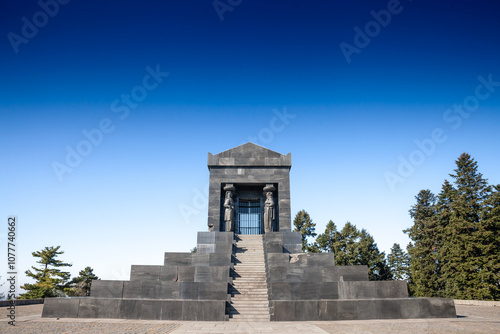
471, 319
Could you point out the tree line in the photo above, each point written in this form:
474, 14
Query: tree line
52, 281
455, 240
455, 237
352, 246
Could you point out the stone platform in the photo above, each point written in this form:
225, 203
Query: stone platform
205, 286
309, 287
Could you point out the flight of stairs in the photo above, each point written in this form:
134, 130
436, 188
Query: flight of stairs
249, 301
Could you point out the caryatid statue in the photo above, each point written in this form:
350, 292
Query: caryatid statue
269, 209
229, 212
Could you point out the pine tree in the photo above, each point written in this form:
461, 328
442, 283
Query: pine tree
399, 263
50, 280
456, 239
353, 247
467, 272
443, 235
490, 275
80, 286
304, 224
328, 241
423, 268
347, 249
369, 254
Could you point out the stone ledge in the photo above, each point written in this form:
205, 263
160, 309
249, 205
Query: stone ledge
477, 302
363, 309
128, 308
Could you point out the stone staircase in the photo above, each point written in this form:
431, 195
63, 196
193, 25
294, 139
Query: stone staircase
249, 301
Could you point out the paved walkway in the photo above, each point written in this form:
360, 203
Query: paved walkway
471, 319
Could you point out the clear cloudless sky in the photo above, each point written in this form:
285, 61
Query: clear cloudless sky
270, 72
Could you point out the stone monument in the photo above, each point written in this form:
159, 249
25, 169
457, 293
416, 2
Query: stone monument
249, 265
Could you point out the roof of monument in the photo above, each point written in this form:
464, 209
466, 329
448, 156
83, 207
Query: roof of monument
249, 155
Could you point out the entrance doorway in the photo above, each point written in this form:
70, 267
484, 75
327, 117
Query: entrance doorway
249, 217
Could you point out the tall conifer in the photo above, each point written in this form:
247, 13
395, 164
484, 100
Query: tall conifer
465, 247
304, 224
399, 263
423, 249
456, 239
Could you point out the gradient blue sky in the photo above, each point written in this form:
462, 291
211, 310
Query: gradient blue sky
349, 123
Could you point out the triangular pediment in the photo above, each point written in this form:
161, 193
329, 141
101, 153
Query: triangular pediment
249, 154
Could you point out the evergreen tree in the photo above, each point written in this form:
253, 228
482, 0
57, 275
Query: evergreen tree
304, 224
328, 241
423, 266
468, 271
399, 263
80, 286
369, 254
347, 249
456, 238
490, 275
443, 235
50, 280
353, 247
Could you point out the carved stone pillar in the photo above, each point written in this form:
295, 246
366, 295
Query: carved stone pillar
229, 212
269, 208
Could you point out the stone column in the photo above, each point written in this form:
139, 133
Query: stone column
229, 214
269, 207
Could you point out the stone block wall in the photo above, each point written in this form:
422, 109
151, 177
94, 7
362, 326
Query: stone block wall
193, 310
309, 287
188, 286
363, 309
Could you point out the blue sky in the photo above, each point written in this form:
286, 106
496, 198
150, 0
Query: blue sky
271, 72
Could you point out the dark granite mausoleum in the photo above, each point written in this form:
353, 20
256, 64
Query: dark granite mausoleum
249, 265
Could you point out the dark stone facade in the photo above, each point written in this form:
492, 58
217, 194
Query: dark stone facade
250, 165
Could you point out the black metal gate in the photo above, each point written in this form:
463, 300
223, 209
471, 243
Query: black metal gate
249, 218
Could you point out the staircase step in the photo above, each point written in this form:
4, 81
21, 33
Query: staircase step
261, 313
262, 292
239, 315
250, 299
250, 319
